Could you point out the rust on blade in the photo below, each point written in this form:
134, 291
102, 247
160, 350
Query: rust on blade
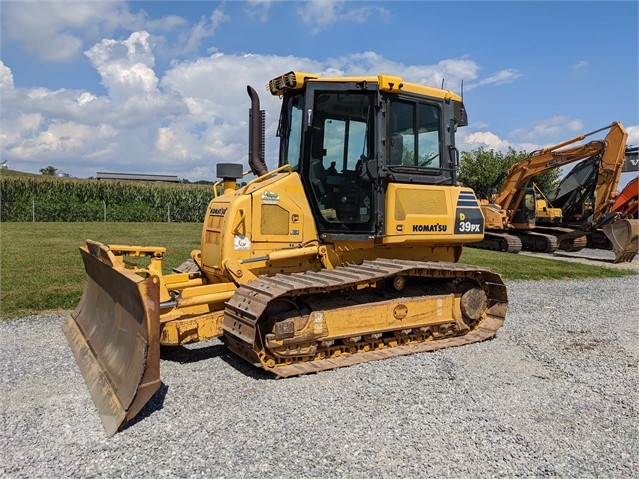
114, 336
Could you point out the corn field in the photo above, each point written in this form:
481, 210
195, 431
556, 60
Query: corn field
61, 199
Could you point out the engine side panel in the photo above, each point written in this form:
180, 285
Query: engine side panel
429, 214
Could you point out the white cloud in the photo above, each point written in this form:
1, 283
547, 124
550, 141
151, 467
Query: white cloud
258, 9
56, 31
481, 139
581, 65
183, 123
86, 97
319, 15
195, 114
188, 41
633, 135
81, 132
541, 135
126, 67
555, 127
6, 77
508, 75
67, 138
450, 71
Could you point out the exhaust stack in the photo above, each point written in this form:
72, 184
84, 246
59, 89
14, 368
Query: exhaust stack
256, 135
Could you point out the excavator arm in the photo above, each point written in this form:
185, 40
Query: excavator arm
508, 214
610, 168
557, 156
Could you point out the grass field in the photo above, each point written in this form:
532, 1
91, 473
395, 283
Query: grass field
41, 269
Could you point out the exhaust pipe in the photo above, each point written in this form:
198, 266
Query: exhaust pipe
256, 135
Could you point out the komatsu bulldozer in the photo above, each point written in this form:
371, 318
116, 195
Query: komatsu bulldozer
344, 253
519, 216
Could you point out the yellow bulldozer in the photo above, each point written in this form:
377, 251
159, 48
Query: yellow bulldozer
344, 253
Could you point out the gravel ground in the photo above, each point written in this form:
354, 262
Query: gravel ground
555, 394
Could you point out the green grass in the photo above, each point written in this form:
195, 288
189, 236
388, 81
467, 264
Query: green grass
41, 269
8, 172
518, 266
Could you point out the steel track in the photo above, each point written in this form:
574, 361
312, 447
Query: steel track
244, 311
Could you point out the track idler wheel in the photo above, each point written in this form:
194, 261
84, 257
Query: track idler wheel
474, 303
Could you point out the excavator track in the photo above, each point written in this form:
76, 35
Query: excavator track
538, 242
353, 314
573, 244
569, 239
503, 242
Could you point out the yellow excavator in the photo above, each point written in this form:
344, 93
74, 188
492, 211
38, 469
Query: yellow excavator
520, 217
345, 253
589, 205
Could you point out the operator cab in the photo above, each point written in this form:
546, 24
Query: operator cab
526, 212
349, 137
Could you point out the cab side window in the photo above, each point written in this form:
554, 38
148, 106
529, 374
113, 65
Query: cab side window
414, 135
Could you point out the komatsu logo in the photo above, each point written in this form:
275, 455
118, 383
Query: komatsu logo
432, 228
218, 211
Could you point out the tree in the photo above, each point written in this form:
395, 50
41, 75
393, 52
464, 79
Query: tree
49, 171
485, 171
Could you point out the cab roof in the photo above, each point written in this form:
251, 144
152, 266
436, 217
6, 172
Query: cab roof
392, 84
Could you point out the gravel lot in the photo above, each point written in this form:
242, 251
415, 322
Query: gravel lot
555, 394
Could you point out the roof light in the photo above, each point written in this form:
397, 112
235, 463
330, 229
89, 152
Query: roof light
289, 81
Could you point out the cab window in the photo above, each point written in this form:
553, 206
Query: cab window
415, 135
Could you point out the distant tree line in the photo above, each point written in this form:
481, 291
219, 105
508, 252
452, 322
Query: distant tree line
485, 171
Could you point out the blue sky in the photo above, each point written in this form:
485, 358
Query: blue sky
160, 87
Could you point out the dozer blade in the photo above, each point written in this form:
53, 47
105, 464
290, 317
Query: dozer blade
623, 234
114, 335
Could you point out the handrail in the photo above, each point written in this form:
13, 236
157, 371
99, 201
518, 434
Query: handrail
266, 176
255, 180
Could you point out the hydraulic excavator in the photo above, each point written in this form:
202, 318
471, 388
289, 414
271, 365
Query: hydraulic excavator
305, 268
587, 200
520, 217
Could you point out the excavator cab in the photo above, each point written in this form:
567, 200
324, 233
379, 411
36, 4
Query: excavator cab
526, 213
